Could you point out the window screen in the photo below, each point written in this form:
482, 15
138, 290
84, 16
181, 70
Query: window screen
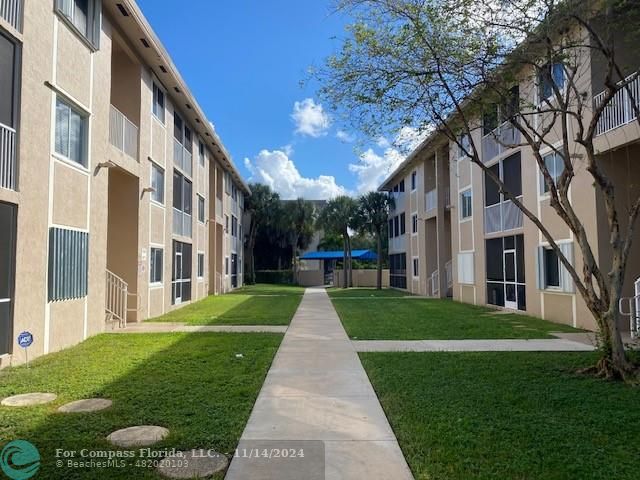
68, 264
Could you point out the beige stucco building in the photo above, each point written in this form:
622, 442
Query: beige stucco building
497, 255
118, 201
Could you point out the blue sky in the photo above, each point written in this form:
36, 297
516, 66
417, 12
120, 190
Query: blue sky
244, 61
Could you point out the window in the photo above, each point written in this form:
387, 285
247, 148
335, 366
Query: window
234, 226
155, 267
234, 192
414, 176
181, 193
84, 16
490, 119
555, 166
551, 268
200, 209
464, 145
465, 268
188, 140
200, 265
70, 133
550, 74
505, 271
201, 153
158, 103
414, 223
157, 183
391, 234
398, 270
401, 186
226, 224
9, 64
181, 273
402, 224
396, 226
465, 204
416, 271
68, 264
178, 128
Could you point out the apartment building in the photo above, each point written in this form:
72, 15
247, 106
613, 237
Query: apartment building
118, 200
420, 221
499, 257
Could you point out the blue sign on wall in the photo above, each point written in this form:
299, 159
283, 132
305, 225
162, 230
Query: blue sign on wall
25, 339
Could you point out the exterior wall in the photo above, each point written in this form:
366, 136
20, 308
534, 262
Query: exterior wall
110, 198
362, 278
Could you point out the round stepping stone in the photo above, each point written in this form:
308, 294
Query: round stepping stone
28, 399
85, 406
139, 436
193, 464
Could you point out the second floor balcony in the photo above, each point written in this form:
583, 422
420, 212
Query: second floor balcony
502, 217
182, 158
123, 133
499, 141
8, 167
182, 223
619, 111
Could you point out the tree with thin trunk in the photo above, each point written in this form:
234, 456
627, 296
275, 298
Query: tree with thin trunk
337, 217
518, 73
373, 214
260, 207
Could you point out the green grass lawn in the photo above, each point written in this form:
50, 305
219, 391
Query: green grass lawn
504, 415
192, 384
380, 317
260, 304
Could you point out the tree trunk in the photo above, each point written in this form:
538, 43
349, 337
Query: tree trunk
293, 261
349, 259
344, 262
251, 244
379, 250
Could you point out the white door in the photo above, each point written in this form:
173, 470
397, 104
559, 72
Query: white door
510, 275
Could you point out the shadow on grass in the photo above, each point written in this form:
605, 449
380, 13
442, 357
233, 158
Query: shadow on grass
192, 384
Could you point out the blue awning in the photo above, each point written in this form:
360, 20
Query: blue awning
338, 255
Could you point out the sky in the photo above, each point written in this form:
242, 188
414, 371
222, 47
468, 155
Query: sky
246, 62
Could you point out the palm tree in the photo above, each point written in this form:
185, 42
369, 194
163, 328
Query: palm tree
299, 219
373, 213
338, 217
260, 206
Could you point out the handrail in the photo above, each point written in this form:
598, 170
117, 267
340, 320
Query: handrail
619, 111
116, 298
8, 169
633, 313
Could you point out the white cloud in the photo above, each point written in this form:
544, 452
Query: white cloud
345, 136
276, 169
310, 118
372, 168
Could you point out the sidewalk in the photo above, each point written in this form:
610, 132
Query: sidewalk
317, 397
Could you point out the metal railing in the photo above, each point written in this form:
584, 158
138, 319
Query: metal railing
182, 223
8, 172
117, 295
502, 216
123, 133
11, 11
182, 158
495, 143
434, 279
431, 199
397, 244
619, 111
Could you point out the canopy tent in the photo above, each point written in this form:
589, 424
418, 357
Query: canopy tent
338, 255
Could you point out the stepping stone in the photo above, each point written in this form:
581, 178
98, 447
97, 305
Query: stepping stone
28, 399
87, 405
139, 436
193, 464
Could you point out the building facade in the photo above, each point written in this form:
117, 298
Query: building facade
498, 256
118, 201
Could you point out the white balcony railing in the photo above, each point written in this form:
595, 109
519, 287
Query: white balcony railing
619, 111
502, 217
434, 280
182, 158
182, 223
11, 11
495, 143
397, 244
8, 169
431, 199
123, 133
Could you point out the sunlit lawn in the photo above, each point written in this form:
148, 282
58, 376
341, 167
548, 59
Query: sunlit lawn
192, 384
378, 315
261, 304
507, 415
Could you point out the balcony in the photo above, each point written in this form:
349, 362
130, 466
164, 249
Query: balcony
431, 200
218, 207
399, 200
499, 141
502, 216
182, 158
397, 244
8, 172
123, 133
182, 223
11, 11
619, 111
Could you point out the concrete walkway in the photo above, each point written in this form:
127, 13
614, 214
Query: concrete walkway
317, 397
162, 327
505, 345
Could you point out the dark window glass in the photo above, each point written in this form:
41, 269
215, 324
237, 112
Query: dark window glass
187, 197
178, 127
522, 302
401, 186
550, 74
494, 259
509, 243
7, 87
402, 224
188, 142
490, 119
491, 190
520, 257
391, 228
510, 267
177, 190
396, 226
551, 268
413, 180
495, 294
512, 174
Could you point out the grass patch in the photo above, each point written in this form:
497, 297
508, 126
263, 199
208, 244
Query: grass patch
434, 319
192, 384
503, 415
365, 293
252, 305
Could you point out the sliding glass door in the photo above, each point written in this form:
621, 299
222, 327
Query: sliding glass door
8, 214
